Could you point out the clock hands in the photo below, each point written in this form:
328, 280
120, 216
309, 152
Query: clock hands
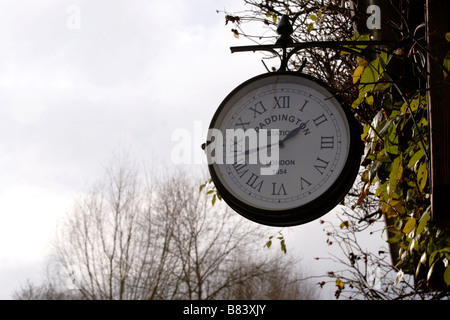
247, 152
281, 143
293, 133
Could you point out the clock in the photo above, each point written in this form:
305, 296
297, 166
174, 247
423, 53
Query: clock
305, 158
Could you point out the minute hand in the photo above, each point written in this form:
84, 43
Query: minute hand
292, 134
247, 152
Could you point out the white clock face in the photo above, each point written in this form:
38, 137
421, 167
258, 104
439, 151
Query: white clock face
313, 142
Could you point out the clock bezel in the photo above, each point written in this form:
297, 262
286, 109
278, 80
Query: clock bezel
315, 208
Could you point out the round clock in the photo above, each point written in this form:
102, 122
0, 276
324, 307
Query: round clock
288, 151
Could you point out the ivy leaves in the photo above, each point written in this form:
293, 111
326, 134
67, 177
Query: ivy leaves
282, 243
397, 167
369, 75
210, 189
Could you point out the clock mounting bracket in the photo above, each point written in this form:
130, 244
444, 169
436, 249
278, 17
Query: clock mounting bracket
289, 48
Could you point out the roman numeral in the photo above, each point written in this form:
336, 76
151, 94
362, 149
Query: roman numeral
304, 105
327, 143
282, 102
320, 120
304, 182
241, 169
237, 147
243, 124
258, 109
255, 182
280, 189
321, 165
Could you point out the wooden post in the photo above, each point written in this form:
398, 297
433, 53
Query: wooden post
438, 24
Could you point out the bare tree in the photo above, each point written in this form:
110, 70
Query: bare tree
45, 291
136, 238
278, 281
112, 244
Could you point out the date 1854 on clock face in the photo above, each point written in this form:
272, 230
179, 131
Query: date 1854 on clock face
288, 153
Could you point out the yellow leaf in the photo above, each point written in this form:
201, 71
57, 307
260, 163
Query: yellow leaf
423, 222
357, 74
395, 175
362, 62
365, 131
357, 102
422, 176
340, 284
409, 226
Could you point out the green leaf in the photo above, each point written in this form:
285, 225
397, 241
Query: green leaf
447, 36
357, 102
365, 131
432, 256
283, 246
446, 64
383, 86
447, 275
274, 18
423, 222
416, 157
409, 226
375, 69
394, 239
268, 244
382, 189
392, 140
357, 37
313, 17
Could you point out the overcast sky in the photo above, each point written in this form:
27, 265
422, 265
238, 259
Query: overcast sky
80, 78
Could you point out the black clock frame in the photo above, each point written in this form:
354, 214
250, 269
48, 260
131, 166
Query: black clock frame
317, 207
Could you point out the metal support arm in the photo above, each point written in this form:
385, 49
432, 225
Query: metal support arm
296, 47
285, 42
